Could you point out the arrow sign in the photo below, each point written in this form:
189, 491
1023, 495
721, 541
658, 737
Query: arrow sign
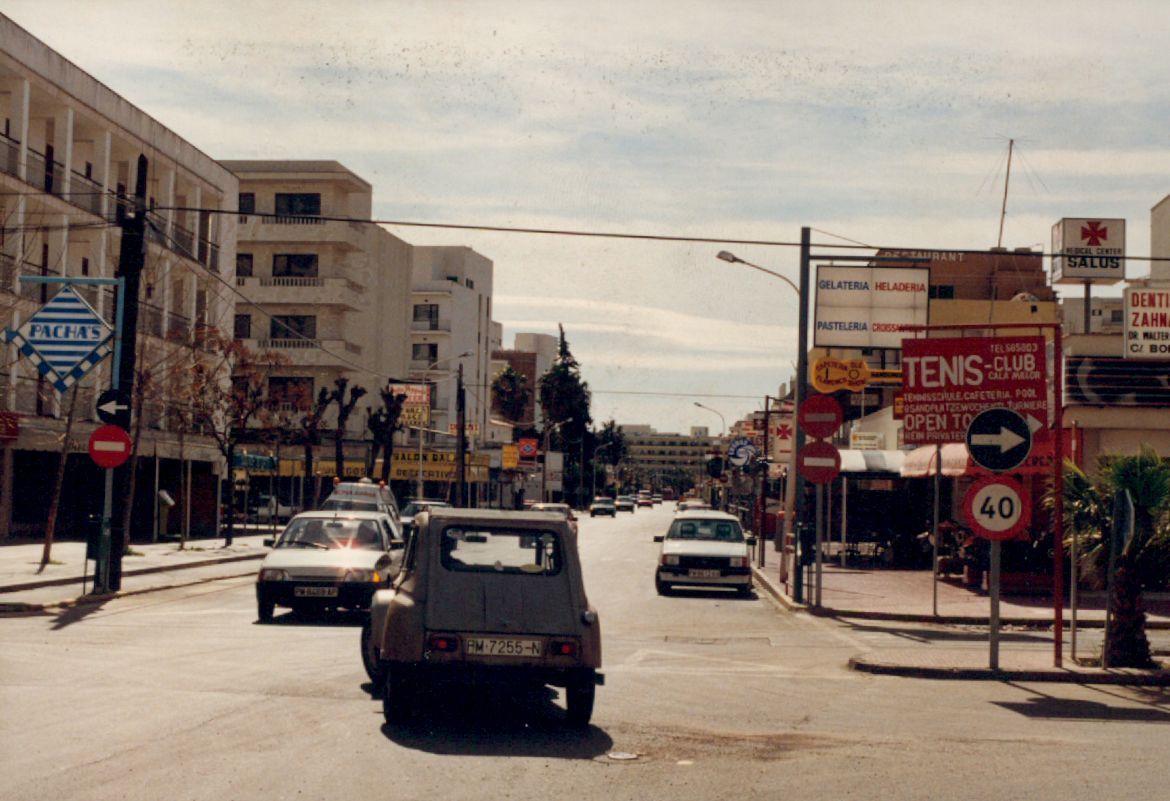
113, 407
1005, 440
999, 439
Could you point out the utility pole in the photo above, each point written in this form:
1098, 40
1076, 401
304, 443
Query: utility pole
762, 501
460, 438
131, 259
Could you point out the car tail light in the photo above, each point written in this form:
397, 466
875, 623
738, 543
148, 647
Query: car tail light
562, 648
443, 642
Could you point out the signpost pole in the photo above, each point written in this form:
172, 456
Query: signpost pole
993, 589
934, 532
819, 542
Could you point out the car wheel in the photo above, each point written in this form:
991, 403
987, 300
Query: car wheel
745, 591
579, 697
661, 586
397, 700
374, 667
264, 610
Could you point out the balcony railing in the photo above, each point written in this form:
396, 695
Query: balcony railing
150, 319
290, 219
178, 326
9, 155
183, 241
85, 194
290, 280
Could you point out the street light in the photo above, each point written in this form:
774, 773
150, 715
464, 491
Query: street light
800, 389
722, 419
418, 489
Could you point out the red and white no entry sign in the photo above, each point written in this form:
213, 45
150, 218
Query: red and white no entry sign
109, 446
819, 416
996, 508
818, 462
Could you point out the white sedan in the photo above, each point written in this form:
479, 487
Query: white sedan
704, 549
329, 559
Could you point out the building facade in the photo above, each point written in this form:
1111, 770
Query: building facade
652, 455
69, 156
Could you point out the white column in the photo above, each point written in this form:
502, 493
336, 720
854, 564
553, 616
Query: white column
18, 113
101, 166
63, 148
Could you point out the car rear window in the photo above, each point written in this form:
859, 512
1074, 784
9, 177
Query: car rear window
719, 530
498, 550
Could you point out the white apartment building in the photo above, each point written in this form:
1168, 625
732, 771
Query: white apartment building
330, 295
652, 455
451, 315
69, 150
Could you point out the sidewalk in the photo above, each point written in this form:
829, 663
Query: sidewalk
947, 645
68, 577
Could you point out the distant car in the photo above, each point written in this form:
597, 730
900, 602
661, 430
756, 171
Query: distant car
645, 500
414, 507
363, 495
602, 506
706, 549
656, 498
329, 559
624, 503
562, 509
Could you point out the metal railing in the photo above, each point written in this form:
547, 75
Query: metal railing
86, 194
9, 155
285, 344
182, 241
34, 169
290, 219
294, 281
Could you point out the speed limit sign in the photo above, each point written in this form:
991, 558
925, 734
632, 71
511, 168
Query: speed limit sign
997, 508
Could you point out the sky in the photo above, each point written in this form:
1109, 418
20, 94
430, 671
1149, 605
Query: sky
877, 123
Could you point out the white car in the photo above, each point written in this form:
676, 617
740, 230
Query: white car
329, 560
704, 549
363, 495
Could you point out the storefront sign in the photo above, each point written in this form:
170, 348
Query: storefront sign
1147, 323
830, 375
416, 409
866, 307
1088, 250
947, 382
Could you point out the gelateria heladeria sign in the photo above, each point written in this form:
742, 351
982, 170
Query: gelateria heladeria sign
866, 307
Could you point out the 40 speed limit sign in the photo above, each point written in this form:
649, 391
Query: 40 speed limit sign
997, 508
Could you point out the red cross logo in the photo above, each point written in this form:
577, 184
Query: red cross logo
1094, 233
784, 431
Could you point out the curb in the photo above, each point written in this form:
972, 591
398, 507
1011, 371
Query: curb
1154, 678
21, 609
145, 571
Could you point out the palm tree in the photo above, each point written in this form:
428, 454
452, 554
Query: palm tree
1141, 562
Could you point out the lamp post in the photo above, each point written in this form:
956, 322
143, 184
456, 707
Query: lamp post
722, 419
793, 487
418, 489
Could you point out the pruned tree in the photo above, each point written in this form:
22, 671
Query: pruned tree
344, 410
228, 392
383, 424
310, 437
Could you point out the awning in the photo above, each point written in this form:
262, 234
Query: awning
855, 461
920, 463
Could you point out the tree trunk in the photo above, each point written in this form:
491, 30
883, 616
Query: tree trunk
388, 457
184, 480
231, 512
338, 455
128, 511
308, 495
58, 484
1128, 645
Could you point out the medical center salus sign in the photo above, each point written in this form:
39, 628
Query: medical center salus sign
947, 382
64, 338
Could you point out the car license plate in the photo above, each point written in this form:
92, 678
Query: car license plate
694, 573
315, 592
504, 646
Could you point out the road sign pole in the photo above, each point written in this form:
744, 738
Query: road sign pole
993, 591
820, 538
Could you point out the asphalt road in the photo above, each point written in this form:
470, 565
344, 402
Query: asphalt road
180, 694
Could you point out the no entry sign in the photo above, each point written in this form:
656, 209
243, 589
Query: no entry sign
819, 416
818, 462
947, 382
109, 446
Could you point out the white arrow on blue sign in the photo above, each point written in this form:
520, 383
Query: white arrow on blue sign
65, 338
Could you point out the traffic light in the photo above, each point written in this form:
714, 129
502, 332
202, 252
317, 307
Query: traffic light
715, 467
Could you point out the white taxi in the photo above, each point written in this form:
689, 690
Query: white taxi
704, 548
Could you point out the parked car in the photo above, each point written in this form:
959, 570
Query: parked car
624, 503
485, 596
269, 509
562, 509
329, 560
704, 548
363, 495
602, 506
415, 507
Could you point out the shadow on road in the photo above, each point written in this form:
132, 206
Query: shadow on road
1051, 707
468, 721
957, 634
76, 613
681, 591
316, 617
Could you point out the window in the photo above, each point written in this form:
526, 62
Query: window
427, 313
424, 352
293, 326
1116, 316
294, 265
942, 292
247, 203
243, 327
524, 552
290, 392
243, 265
298, 204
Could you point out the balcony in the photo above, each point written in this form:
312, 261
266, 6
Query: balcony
9, 155
303, 290
299, 230
431, 326
309, 352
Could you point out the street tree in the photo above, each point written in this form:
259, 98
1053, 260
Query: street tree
1142, 563
228, 388
564, 402
67, 444
345, 408
309, 438
510, 394
383, 424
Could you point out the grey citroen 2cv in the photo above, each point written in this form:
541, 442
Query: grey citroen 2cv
485, 597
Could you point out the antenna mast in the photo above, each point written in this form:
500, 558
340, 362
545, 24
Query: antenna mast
1006, 179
